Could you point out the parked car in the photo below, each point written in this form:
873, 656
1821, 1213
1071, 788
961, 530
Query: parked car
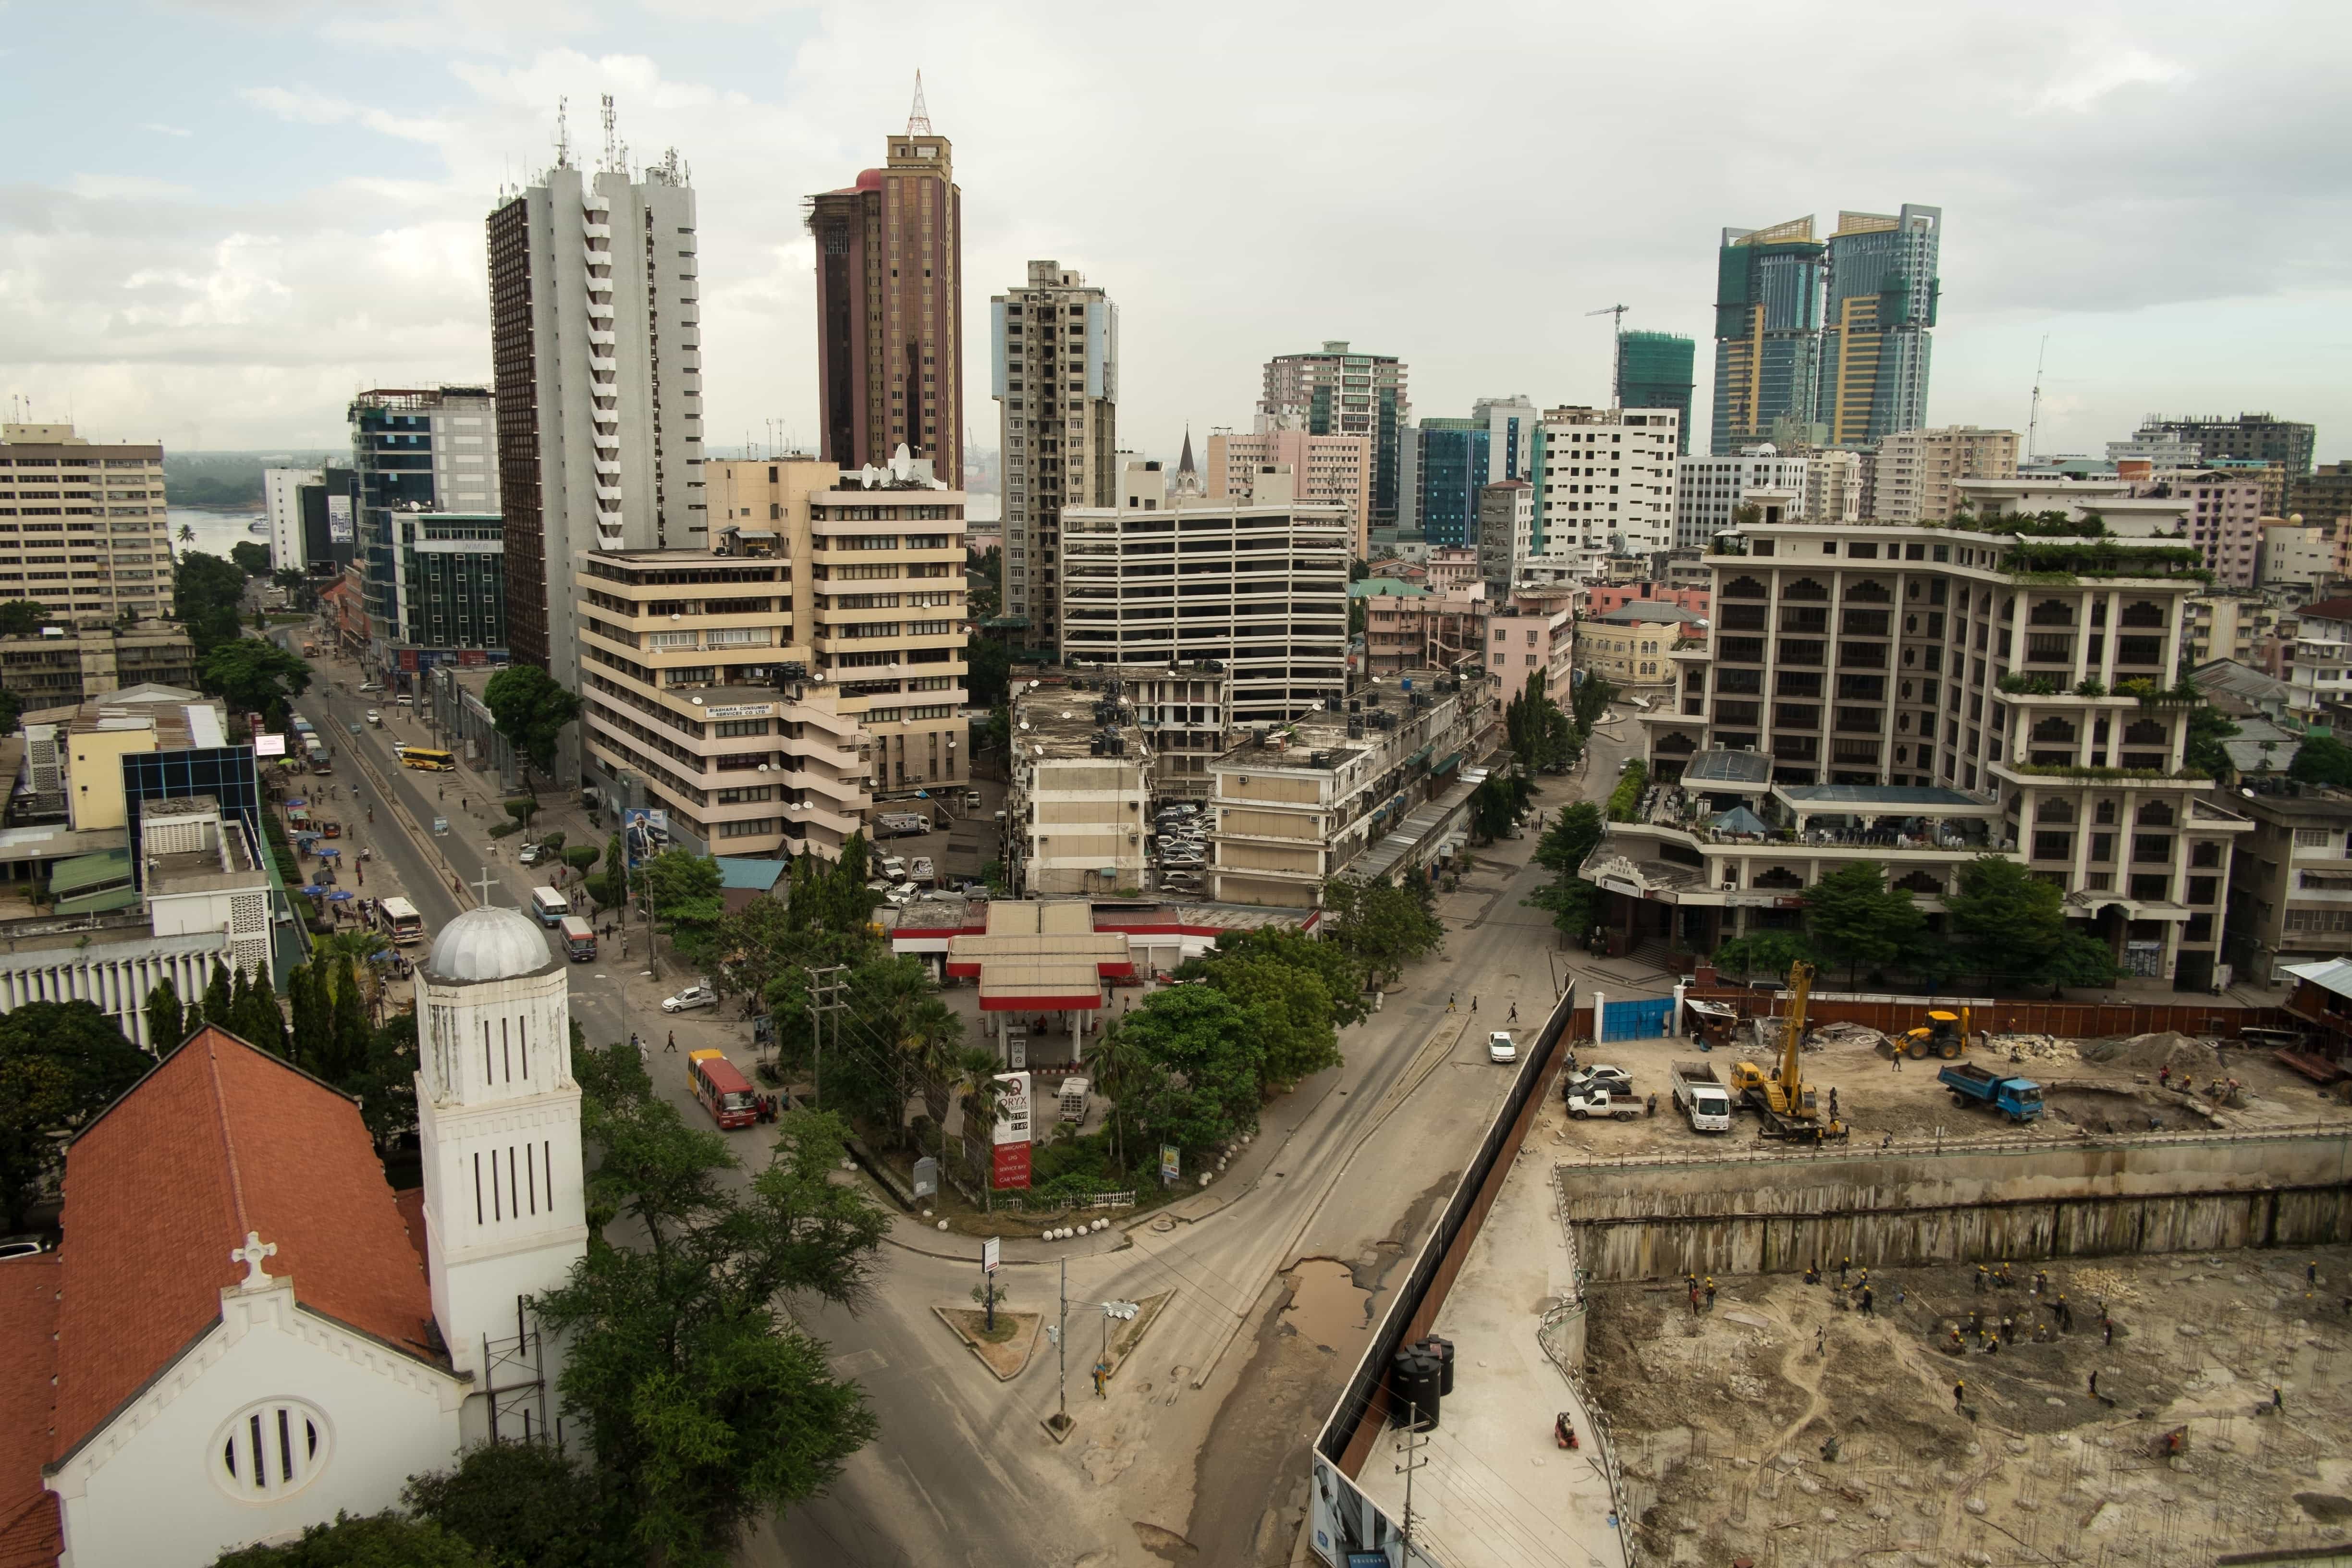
375, 717
1501, 1047
919, 869
530, 855
370, 685
1616, 1080
693, 997
890, 865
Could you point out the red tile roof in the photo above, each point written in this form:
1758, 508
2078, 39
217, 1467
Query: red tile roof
219, 1140
28, 1357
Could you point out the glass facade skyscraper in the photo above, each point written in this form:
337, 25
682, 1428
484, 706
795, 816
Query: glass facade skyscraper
1768, 330
1449, 471
1883, 291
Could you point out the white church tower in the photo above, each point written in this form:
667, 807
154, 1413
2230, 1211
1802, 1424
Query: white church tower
498, 1116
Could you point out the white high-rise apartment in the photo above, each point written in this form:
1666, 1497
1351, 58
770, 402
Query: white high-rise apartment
1605, 482
1337, 469
1833, 486
1054, 371
1511, 424
281, 504
1713, 489
1261, 586
595, 341
82, 526
1910, 478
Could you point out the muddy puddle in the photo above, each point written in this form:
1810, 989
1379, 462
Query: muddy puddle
1326, 1308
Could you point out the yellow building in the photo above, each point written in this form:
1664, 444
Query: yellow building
1628, 646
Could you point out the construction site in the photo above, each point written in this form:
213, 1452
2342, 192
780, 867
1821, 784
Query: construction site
1958, 1297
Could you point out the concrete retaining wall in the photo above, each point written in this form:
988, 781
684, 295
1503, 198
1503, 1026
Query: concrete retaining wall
1662, 1220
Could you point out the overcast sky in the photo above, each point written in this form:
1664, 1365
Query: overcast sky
222, 216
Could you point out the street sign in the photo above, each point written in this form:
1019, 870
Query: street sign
927, 1177
441, 825
989, 1250
1170, 1162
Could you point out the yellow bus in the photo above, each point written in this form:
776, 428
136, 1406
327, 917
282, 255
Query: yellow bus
425, 760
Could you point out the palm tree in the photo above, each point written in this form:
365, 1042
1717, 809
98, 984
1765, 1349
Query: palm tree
350, 952
1119, 1068
982, 1094
935, 1035
187, 536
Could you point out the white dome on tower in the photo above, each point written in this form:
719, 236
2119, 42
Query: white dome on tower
489, 943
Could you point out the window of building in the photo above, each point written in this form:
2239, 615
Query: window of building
270, 1450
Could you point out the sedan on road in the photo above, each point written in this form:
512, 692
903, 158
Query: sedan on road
693, 997
1501, 1047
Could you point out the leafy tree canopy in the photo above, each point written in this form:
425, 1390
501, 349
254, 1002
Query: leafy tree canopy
22, 618
1382, 927
1763, 953
61, 1063
1859, 923
530, 709
2322, 760
386, 1540
2011, 927
524, 1503
251, 556
1202, 1062
254, 672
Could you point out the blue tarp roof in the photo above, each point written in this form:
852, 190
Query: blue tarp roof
745, 875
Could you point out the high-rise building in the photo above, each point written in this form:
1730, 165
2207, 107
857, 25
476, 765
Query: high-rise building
595, 343
1711, 491
1915, 681
1910, 477
889, 307
1337, 469
1263, 590
876, 564
2225, 519
2259, 435
1883, 291
417, 452
1507, 528
1447, 463
83, 530
1511, 424
1768, 330
282, 505
2326, 496
1833, 486
1605, 484
1655, 370
1338, 392
1054, 371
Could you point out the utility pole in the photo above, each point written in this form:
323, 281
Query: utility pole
1062, 1344
825, 997
1411, 1445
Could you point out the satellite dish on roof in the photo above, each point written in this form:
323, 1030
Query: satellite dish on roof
902, 464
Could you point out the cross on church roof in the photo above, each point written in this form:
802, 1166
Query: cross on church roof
486, 885
251, 1254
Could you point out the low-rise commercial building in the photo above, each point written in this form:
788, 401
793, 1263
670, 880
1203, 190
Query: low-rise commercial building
2295, 553
2323, 657
1297, 804
1711, 491
1412, 628
1082, 788
72, 666
2290, 881
1531, 632
204, 870
1632, 646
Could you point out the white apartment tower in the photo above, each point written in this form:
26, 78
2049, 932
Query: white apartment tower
1054, 371
595, 341
90, 519
1605, 483
1713, 489
1260, 586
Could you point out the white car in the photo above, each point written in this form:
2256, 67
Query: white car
919, 869
891, 866
21, 1246
375, 716
1501, 1047
693, 997
530, 855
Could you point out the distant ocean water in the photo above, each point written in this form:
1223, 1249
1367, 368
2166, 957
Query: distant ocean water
215, 530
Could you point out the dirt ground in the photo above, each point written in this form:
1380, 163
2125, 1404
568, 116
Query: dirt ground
1876, 1099
1721, 1417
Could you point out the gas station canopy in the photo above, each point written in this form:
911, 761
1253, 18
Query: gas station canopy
1040, 958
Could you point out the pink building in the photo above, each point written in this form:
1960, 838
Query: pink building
2224, 517
1454, 569
1533, 631
1599, 600
1323, 467
1421, 631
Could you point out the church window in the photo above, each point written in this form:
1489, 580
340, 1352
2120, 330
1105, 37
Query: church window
270, 1450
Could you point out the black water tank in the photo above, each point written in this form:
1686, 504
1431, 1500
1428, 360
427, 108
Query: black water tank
1443, 1350
1414, 1379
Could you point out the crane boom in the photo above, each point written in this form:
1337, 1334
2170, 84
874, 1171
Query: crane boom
1792, 1029
1617, 350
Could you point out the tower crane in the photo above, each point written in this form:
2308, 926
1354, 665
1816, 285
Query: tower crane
1617, 346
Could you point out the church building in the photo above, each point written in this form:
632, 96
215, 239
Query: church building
244, 1332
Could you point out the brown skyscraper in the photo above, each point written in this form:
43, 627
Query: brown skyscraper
889, 305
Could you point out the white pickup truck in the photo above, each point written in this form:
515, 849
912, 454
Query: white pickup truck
1598, 1103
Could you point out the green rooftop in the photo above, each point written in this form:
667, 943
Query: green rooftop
1384, 587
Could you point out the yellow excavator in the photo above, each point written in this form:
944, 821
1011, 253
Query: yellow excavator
1781, 1098
1944, 1035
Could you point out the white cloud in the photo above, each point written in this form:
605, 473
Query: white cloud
126, 188
2081, 88
310, 108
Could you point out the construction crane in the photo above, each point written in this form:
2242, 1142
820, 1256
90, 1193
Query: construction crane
1617, 350
1781, 1099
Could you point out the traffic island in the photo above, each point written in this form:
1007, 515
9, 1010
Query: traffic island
1007, 1350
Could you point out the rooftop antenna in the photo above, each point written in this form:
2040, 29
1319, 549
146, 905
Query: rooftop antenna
563, 133
919, 119
2033, 415
612, 150
1617, 354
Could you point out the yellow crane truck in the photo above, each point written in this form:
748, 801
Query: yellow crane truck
1781, 1098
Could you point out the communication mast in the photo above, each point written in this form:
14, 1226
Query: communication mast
2033, 415
919, 119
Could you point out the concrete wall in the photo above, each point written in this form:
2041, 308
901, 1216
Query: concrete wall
1776, 1212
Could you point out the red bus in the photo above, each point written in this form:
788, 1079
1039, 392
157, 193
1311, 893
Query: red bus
724, 1092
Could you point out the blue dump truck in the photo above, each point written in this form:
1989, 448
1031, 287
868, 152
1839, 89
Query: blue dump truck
2018, 1098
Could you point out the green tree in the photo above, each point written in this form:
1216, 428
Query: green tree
531, 711
61, 1063
349, 1038
1590, 699
1763, 953
990, 679
258, 1020
12, 711
166, 1024
2204, 752
1574, 903
1290, 1013
1495, 804
1382, 926
220, 996
1625, 800
386, 1089
1341, 975
681, 891
703, 1403
2011, 928
22, 618
1858, 921
1204, 1064
524, 1503
522, 808
206, 593
2322, 760
386, 1540
314, 1015
583, 858
252, 673
1538, 733
252, 556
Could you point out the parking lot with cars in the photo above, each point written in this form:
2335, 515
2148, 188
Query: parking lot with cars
1180, 847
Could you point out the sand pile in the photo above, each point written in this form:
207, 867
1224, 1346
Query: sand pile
2185, 1054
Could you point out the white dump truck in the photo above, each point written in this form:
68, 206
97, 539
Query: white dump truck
1702, 1096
